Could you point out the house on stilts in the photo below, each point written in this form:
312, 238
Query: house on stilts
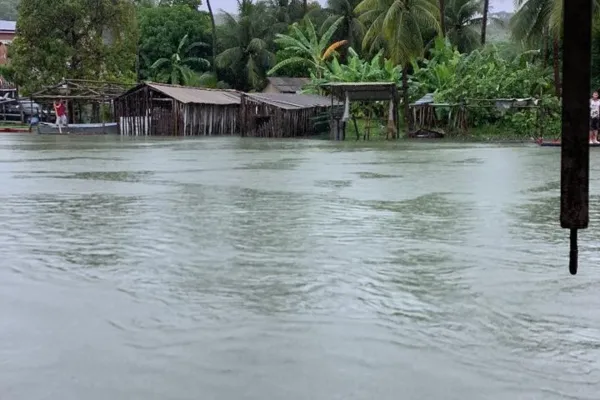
153, 109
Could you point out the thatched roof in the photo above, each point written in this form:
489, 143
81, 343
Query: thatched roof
82, 89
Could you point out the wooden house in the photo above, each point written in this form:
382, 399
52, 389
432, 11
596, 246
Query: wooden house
281, 115
153, 109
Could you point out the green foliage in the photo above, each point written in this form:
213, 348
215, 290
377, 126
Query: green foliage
162, 29
399, 25
8, 9
192, 4
306, 48
439, 72
90, 42
482, 74
351, 28
244, 43
180, 68
359, 70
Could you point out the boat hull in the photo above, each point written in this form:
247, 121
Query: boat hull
44, 128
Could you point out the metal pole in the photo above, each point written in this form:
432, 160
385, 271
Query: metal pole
575, 150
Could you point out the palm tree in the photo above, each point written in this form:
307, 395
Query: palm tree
307, 48
178, 69
400, 26
534, 22
442, 19
461, 18
286, 12
486, 10
214, 35
351, 29
245, 40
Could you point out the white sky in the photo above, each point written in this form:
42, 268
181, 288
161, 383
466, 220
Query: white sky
231, 5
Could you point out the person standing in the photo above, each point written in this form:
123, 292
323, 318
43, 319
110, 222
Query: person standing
594, 118
61, 114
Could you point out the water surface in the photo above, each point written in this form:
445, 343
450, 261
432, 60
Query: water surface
229, 268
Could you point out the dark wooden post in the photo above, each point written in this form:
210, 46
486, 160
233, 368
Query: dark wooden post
575, 150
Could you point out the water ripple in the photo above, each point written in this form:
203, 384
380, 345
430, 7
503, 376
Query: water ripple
290, 269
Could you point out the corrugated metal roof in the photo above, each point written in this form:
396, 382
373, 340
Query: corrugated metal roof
427, 99
193, 95
288, 85
293, 101
7, 25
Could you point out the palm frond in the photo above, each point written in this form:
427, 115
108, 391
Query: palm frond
330, 32
289, 61
159, 63
331, 49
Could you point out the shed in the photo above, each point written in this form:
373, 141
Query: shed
284, 114
363, 92
283, 84
161, 109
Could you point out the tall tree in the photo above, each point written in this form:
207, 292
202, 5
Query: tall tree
8, 9
90, 42
484, 21
351, 29
463, 20
399, 25
285, 13
161, 30
214, 35
533, 21
245, 39
181, 68
442, 19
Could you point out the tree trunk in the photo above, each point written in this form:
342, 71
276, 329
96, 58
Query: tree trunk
443, 17
486, 9
556, 63
305, 6
407, 119
214, 36
545, 48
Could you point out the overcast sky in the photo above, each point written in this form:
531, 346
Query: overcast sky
231, 5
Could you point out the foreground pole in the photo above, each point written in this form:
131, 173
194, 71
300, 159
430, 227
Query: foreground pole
575, 150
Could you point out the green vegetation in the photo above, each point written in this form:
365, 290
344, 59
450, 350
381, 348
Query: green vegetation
426, 46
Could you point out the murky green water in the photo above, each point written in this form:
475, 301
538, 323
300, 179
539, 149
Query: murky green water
254, 269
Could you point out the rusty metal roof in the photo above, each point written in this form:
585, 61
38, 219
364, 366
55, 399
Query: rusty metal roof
194, 95
292, 101
288, 85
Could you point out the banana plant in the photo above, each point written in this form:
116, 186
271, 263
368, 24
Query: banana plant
306, 48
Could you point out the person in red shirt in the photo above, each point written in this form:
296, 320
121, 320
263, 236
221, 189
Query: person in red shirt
61, 114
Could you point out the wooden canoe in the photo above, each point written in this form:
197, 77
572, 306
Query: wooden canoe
44, 128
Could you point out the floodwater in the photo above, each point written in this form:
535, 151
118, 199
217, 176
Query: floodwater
228, 268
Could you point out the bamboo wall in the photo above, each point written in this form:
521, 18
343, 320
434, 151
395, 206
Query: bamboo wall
424, 117
146, 112
261, 119
207, 119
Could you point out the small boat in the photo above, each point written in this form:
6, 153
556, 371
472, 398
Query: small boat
426, 134
45, 128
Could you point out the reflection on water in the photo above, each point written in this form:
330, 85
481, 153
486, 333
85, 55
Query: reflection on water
251, 269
